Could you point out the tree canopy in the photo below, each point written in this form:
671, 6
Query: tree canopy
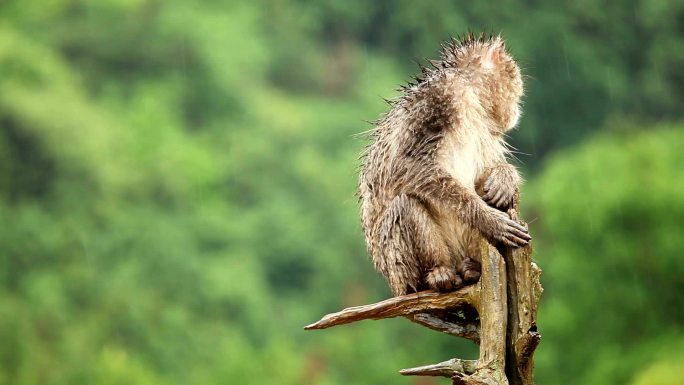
177, 186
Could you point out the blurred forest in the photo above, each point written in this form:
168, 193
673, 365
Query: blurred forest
177, 187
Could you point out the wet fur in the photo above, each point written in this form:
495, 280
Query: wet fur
440, 145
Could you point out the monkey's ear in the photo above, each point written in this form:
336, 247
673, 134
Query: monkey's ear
493, 54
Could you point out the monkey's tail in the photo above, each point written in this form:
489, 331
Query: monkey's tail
400, 267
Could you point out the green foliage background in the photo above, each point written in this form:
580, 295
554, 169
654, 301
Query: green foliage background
177, 187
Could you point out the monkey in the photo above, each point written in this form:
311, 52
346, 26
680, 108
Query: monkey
435, 179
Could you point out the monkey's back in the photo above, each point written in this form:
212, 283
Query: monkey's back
396, 162
422, 137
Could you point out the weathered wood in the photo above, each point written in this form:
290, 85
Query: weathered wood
492, 307
462, 328
506, 299
445, 369
404, 305
524, 292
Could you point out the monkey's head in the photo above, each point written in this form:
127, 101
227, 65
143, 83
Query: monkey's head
484, 65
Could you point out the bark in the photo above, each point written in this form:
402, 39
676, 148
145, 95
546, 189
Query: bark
499, 313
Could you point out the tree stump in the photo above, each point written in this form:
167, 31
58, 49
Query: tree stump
498, 313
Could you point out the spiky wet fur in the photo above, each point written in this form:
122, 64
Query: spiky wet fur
441, 142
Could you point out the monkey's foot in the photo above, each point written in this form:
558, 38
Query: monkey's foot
442, 278
470, 271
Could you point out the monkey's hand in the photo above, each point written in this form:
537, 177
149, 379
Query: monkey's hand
498, 226
501, 188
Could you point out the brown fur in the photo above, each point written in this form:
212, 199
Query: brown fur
440, 144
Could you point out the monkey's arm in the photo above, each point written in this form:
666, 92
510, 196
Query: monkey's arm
501, 186
492, 223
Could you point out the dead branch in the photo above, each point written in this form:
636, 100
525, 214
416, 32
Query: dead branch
467, 329
506, 299
524, 292
405, 305
445, 369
